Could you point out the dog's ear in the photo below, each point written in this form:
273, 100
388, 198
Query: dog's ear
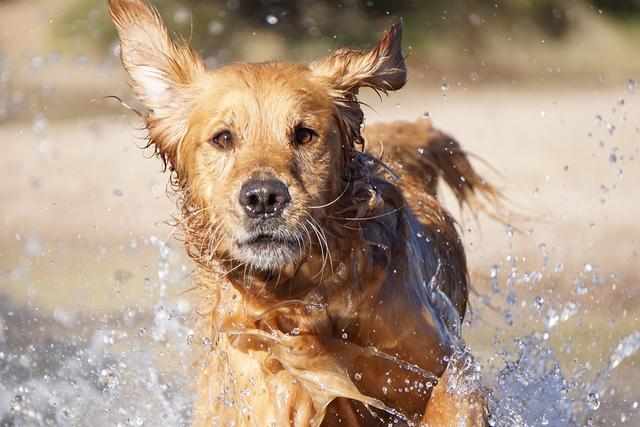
160, 69
382, 68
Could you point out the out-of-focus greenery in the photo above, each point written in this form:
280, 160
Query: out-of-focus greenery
622, 8
221, 28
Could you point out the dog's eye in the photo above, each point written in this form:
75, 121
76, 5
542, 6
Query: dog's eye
303, 135
222, 139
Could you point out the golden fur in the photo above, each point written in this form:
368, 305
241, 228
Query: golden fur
345, 309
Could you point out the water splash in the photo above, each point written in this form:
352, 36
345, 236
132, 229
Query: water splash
65, 378
79, 371
531, 390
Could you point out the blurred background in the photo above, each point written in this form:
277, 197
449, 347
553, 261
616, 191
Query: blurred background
94, 314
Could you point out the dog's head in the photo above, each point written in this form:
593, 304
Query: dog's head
259, 149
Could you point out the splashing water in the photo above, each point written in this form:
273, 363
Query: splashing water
105, 375
531, 389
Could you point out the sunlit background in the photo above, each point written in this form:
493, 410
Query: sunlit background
94, 318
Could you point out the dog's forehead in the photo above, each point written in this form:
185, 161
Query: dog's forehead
270, 85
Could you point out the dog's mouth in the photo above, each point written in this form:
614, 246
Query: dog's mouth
266, 239
268, 250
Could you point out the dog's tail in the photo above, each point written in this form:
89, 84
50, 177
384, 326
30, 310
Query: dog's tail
443, 156
422, 155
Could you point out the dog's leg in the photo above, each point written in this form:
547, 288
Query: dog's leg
453, 404
249, 388
293, 405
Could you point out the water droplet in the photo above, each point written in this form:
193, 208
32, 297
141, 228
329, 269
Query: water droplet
66, 412
509, 231
631, 85
569, 310
215, 28
593, 400
493, 273
551, 319
115, 49
508, 317
40, 124
33, 247
182, 15
581, 289
206, 343
271, 19
629, 346
109, 379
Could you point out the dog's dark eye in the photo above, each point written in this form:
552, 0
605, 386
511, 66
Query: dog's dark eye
303, 135
222, 139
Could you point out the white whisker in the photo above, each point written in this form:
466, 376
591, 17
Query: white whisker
346, 187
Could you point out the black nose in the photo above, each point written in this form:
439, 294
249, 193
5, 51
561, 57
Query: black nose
264, 198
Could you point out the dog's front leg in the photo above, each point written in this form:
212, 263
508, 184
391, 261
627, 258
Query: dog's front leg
248, 389
293, 406
456, 403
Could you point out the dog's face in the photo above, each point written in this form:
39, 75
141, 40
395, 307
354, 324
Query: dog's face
258, 154
259, 148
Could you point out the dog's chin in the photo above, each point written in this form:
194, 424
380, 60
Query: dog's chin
267, 253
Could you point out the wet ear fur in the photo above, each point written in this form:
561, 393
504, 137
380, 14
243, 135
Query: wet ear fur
381, 68
161, 71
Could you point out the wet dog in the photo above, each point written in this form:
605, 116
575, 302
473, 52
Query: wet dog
331, 282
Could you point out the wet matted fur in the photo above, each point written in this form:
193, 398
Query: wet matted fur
345, 307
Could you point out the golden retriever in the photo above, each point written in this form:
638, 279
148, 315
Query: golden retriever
331, 284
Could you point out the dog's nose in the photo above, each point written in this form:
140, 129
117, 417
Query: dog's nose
264, 198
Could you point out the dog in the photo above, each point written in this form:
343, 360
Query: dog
331, 283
